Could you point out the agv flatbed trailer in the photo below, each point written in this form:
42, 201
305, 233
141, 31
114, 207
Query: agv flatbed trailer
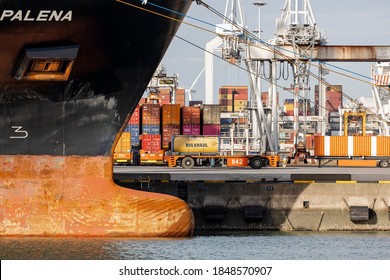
381, 161
254, 161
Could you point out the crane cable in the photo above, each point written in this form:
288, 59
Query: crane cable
272, 48
246, 32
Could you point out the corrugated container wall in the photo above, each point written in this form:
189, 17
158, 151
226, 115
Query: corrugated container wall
383, 143
236, 94
191, 117
180, 97
352, 146
211, 120
135, 117
150, 119
240, 92
211, 114
133, 126
150, 114
165, 95
170, 114
151, 142
211, 129
134, 131
123, 145
189, 129
167, 132
170, 123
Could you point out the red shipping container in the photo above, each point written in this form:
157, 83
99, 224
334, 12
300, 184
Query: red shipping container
211, 129
191, 115
165, 98
151, 142
167, 132
135, 117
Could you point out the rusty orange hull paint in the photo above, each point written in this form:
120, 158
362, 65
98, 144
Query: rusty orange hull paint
75, 196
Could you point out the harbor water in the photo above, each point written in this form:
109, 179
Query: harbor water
226, 246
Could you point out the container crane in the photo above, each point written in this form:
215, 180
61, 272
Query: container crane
298, 28
232, 42
299, 42
230, 34
380, 74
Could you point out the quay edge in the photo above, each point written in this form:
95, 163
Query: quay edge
284, 206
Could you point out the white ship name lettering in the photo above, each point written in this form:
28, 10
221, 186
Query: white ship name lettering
43, 15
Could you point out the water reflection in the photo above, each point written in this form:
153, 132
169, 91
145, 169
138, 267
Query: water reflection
264, 245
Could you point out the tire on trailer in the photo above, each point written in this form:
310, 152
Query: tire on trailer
256, 162
187, 162
384, 163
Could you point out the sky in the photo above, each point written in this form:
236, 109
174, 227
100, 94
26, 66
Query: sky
345, 22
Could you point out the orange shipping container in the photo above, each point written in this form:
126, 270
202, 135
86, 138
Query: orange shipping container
352, 146
383, 145
170, 114
362, 146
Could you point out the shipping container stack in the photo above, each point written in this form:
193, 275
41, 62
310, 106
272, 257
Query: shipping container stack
233, 98
133, 127
211, 119
334, 101
122, 149
151, 143
289, 107
191, 120
266, 100
150, 119
303, 105
165, 95
170, 124
180, 97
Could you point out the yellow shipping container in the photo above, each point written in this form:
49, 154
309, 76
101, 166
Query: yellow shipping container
124, 143
195, 144
122, 148
225, 96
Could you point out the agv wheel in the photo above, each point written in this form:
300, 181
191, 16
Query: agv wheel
256, 162
384, 164
187, 162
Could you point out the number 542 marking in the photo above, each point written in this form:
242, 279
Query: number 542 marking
21, 134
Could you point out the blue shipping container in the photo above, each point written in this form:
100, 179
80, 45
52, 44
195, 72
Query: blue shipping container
150, 129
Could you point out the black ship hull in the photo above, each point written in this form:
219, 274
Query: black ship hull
113, 50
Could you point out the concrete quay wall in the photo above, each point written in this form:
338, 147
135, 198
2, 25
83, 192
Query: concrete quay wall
343, 206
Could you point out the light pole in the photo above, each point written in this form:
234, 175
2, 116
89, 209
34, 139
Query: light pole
259, 4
